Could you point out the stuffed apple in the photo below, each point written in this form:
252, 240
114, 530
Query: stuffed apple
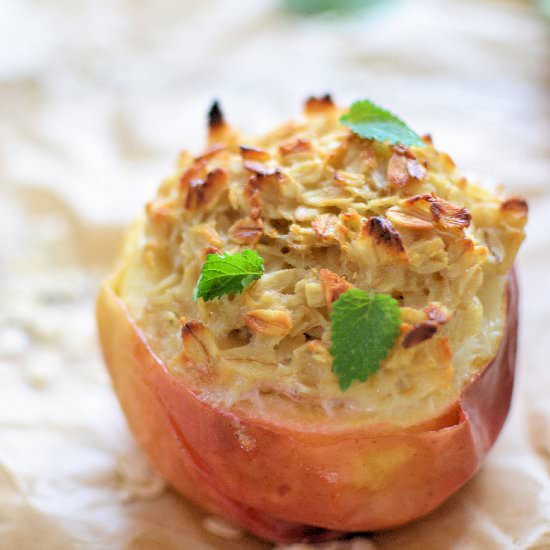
314, 331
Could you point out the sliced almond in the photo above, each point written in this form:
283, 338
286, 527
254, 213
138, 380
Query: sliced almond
334, 285
199, 345
247, 231
269, 322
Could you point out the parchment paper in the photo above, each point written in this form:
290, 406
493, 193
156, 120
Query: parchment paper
96, 99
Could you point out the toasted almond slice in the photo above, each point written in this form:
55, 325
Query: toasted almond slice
199, 345
269, 322
203, 193
409, 221
437, 313
325, 226
383, 233
419, 333
403, 170
254, 154
294, 147
334, 285
247, 231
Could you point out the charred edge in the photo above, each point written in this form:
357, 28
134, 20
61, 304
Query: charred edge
454, 214
191, 328
384, 233
315, 104
420, 333
215, 116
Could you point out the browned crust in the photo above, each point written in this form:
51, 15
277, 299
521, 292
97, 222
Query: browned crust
383, 233
296, 146
517, 205
203, 193
404, 168
446, 213
253, 153
319, 105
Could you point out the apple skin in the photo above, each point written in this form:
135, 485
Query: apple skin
287, 483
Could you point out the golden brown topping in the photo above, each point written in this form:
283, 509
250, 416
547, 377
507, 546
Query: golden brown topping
198, 343
402, 169
254, 154
211, 152
269, 322
427, 139
419, 333
334, 285
204, 193
383, 233
516, 205
160, 209
404, 219
260, 169
252, 194
437, 313
325, 226
317, 105
447, 214
295, 146
197, 170
247, 231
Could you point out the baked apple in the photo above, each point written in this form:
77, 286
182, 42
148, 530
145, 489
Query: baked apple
314, 331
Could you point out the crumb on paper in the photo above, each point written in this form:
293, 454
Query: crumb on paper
136, 479
221, 528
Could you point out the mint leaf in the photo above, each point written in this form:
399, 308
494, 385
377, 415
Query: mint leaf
228, 274
365, 326
313, 7
368, 120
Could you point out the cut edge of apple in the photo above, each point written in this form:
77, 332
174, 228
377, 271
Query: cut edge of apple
288, 485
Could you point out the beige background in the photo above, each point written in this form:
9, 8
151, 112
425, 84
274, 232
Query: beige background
96, 99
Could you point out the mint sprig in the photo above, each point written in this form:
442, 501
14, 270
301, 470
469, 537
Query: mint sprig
228, 274
370, 121
365, 326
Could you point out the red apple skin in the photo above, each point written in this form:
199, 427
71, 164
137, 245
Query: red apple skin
302, 484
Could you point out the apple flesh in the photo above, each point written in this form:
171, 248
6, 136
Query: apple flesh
287, 484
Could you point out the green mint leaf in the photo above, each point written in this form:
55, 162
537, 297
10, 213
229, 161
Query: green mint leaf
371, 121
365, 326
228, 274
314, 7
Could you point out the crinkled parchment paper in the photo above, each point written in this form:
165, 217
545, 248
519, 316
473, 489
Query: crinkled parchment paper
96, 99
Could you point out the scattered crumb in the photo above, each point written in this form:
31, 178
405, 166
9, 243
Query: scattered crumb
221, 528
